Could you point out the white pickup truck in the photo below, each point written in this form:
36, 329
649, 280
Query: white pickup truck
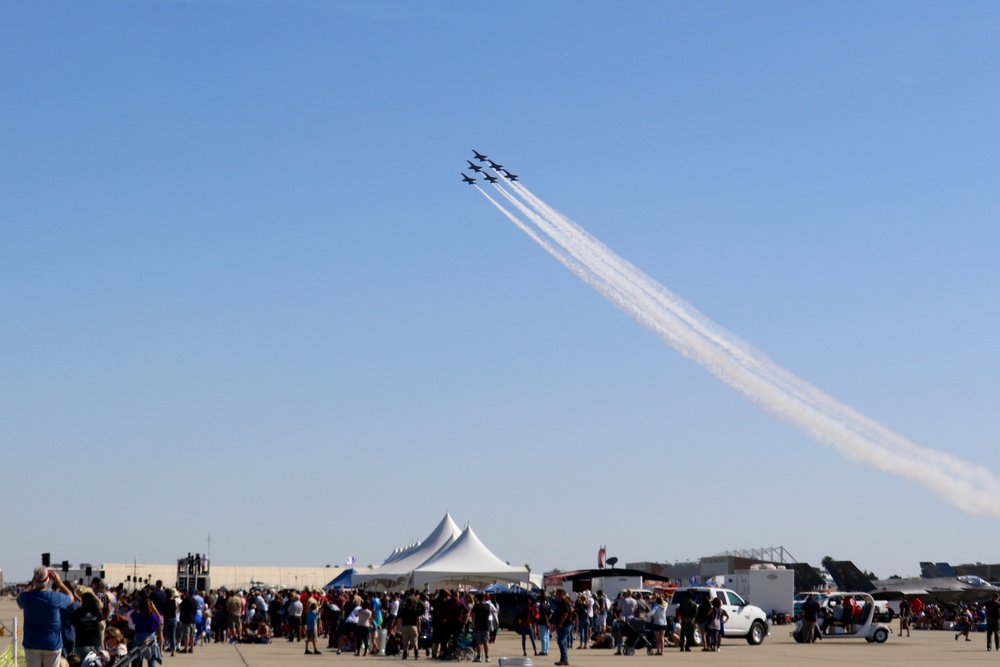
745, 620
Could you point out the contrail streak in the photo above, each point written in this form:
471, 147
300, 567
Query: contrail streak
968, 486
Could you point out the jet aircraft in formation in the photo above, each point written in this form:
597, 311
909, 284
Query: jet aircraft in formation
479, 170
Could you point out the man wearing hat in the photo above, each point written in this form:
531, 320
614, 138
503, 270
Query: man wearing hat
42, 621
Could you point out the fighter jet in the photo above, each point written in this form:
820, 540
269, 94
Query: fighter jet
479, 156
494, 165
930, 589
474, 167
491, 179
510, 176
468, 179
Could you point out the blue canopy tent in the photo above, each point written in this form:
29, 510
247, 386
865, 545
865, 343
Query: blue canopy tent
342, 580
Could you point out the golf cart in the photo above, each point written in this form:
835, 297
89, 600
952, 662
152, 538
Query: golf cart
860, 625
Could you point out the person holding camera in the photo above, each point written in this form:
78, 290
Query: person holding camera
42, 621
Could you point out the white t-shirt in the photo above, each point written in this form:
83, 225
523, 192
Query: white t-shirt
628, 608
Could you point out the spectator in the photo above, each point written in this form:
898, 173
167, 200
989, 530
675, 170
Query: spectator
481, 628
525, 625
147, 622
542, 623
904, 615
312, 621
410, 612
563, 618
89, 623
810, 614
188, 618
992, 608
42, 622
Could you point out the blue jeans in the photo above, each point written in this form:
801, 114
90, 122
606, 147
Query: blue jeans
170, 634
584, 630
528, 631
139, 638
543, 638
564, 637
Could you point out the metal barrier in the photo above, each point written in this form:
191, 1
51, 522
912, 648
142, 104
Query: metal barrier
13, 655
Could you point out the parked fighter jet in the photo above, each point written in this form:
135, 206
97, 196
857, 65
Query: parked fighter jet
468, 179
473, 166
510, 176
930, 589
494, 165
491, 179
479, 156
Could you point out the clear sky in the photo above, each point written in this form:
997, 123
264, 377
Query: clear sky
243, 291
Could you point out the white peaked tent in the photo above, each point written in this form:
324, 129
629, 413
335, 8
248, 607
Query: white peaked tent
396, 570
467, 561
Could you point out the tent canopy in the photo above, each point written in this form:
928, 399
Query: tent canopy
396, 570
342, 580
467, 561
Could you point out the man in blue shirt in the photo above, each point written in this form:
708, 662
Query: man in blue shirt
810, 614
42, 621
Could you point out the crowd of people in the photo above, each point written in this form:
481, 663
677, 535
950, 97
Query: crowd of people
963, 619
95, 626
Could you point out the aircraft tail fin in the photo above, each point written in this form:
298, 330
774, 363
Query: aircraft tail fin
849, 577
946, 570
929, 570
807, 578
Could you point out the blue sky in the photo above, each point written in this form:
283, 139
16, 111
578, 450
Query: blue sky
245, 292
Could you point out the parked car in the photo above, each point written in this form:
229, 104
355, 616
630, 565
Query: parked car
831, 623
745, 620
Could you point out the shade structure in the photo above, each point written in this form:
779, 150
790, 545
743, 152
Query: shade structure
342, 580
396, 571
467, 561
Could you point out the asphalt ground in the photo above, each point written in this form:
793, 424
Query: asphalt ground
925, 647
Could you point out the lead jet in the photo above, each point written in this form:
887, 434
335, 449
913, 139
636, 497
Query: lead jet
511, 177
494, 165
945, 590
491, 179
479, 156
468, 179
474, 167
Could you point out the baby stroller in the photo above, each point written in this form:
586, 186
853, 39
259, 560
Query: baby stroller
637, 636
460, 646
146, 649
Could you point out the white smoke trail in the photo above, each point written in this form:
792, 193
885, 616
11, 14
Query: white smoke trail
968, 486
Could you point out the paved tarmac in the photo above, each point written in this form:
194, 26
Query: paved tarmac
923, 648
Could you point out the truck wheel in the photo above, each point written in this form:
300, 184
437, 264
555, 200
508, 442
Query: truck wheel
880, 636
756, 634
697, 636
